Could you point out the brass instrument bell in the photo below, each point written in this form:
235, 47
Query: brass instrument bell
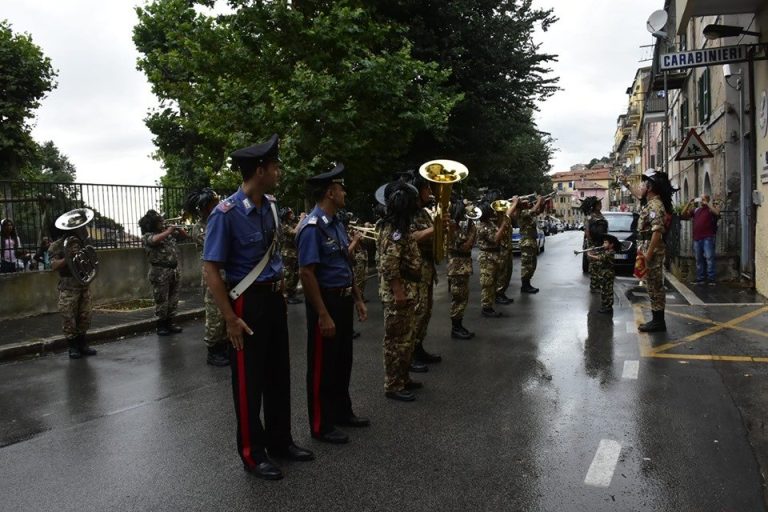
442, 174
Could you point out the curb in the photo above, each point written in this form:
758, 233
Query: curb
43, 346
683, 290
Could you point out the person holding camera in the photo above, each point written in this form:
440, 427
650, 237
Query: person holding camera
704, 217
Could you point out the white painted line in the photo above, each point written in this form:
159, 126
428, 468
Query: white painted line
603, 465
626, 278
686, 292
631, 369
724, 304
631, 326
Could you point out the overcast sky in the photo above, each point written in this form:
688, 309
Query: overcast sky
95, 115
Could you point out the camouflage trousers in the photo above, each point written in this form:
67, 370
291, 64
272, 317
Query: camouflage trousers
489, 270
458, 286
361, 269
505, 271
423, 311
215, 327
655, 279
593, 270
398, 345
603, 279
291, 266
165, 291
75, 309
528, 258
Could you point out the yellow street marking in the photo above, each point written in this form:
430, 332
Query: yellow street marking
643, 338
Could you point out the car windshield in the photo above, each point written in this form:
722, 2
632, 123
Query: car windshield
619, 222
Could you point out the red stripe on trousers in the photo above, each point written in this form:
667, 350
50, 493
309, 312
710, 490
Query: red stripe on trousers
245, 426
317, 406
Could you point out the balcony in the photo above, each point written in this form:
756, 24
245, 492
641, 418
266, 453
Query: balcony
654, 109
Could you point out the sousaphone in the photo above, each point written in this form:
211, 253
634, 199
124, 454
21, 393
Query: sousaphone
81, 259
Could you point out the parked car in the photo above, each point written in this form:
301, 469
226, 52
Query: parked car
622, 225
516, 239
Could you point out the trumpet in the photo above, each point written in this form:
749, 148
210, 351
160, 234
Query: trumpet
625, 246
367, 232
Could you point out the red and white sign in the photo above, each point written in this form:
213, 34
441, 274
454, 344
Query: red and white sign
693, 148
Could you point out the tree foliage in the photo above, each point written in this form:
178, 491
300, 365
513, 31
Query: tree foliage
335, 83
26, 76
47, 163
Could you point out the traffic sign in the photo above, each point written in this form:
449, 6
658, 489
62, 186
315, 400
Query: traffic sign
693, 148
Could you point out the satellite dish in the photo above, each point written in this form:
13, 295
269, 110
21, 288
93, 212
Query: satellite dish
657, 21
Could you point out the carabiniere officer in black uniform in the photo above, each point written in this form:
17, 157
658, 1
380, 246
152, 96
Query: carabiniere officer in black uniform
241, 238
326, 274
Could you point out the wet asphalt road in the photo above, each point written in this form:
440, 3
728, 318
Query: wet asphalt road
540, 412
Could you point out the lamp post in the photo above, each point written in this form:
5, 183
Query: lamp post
746, 208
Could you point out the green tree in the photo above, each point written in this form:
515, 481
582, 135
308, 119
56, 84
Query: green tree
502, 74
47, 163
26, 75
334, 82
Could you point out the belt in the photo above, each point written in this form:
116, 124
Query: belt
165, 265
263, 286
459, 254
493, 249
345, 291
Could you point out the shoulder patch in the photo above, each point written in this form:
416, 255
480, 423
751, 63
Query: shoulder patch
270, 198
396, 236
312, 220
225, 205
652, 214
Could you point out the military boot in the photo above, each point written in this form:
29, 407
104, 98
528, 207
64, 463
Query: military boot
217, 355
84, 347
527, 288
162, 328
458, 331
74, 349
173, 328
421, 355
502, 298
657, 323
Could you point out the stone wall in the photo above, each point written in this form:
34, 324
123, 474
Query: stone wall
122, 276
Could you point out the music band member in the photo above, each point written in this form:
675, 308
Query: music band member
331, 296
489, 234
241, 239
75, 305
288, 225
604, 271
400, 268
200, 204
595, 227
464, 234
160, 245
529, 242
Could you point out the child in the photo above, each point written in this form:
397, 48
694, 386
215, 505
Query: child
604, 272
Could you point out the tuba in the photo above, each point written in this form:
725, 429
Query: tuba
442, 174
81, 259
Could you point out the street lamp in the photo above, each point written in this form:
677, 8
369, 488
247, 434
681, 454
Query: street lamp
715, 31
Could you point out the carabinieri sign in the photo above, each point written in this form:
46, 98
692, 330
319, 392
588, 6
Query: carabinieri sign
706, 57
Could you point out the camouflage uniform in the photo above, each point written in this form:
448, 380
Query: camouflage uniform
460, 268
74, 298
399, 258
604, 274
215, 326
361, 266
652, 219
163, 274
290, 257
489, 260
506, 259
529, 244
588, 242
422, 221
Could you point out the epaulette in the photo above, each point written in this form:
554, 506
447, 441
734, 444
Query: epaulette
225, 205
396, 235
270, 198
312, 220
308, 221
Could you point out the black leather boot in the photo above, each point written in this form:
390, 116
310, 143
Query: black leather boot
74, 349
421, 355
217, 355
162, 328
173, 328
458, 331
657, 323
527, 288
85, 349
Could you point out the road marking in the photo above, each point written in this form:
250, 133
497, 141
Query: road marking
603, 465
683, 290
631, 369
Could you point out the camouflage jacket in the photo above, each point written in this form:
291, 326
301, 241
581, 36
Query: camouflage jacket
66, 281
604, 261
164, 254
422, 221
506, 239
592, 221
651, 219
486, 235
288, 240
528, 231
459, 265
399, 258
197, 234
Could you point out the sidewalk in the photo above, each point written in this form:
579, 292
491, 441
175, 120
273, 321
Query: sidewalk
724, 292
40, 335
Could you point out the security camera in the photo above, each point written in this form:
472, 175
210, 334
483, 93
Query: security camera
727, 70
